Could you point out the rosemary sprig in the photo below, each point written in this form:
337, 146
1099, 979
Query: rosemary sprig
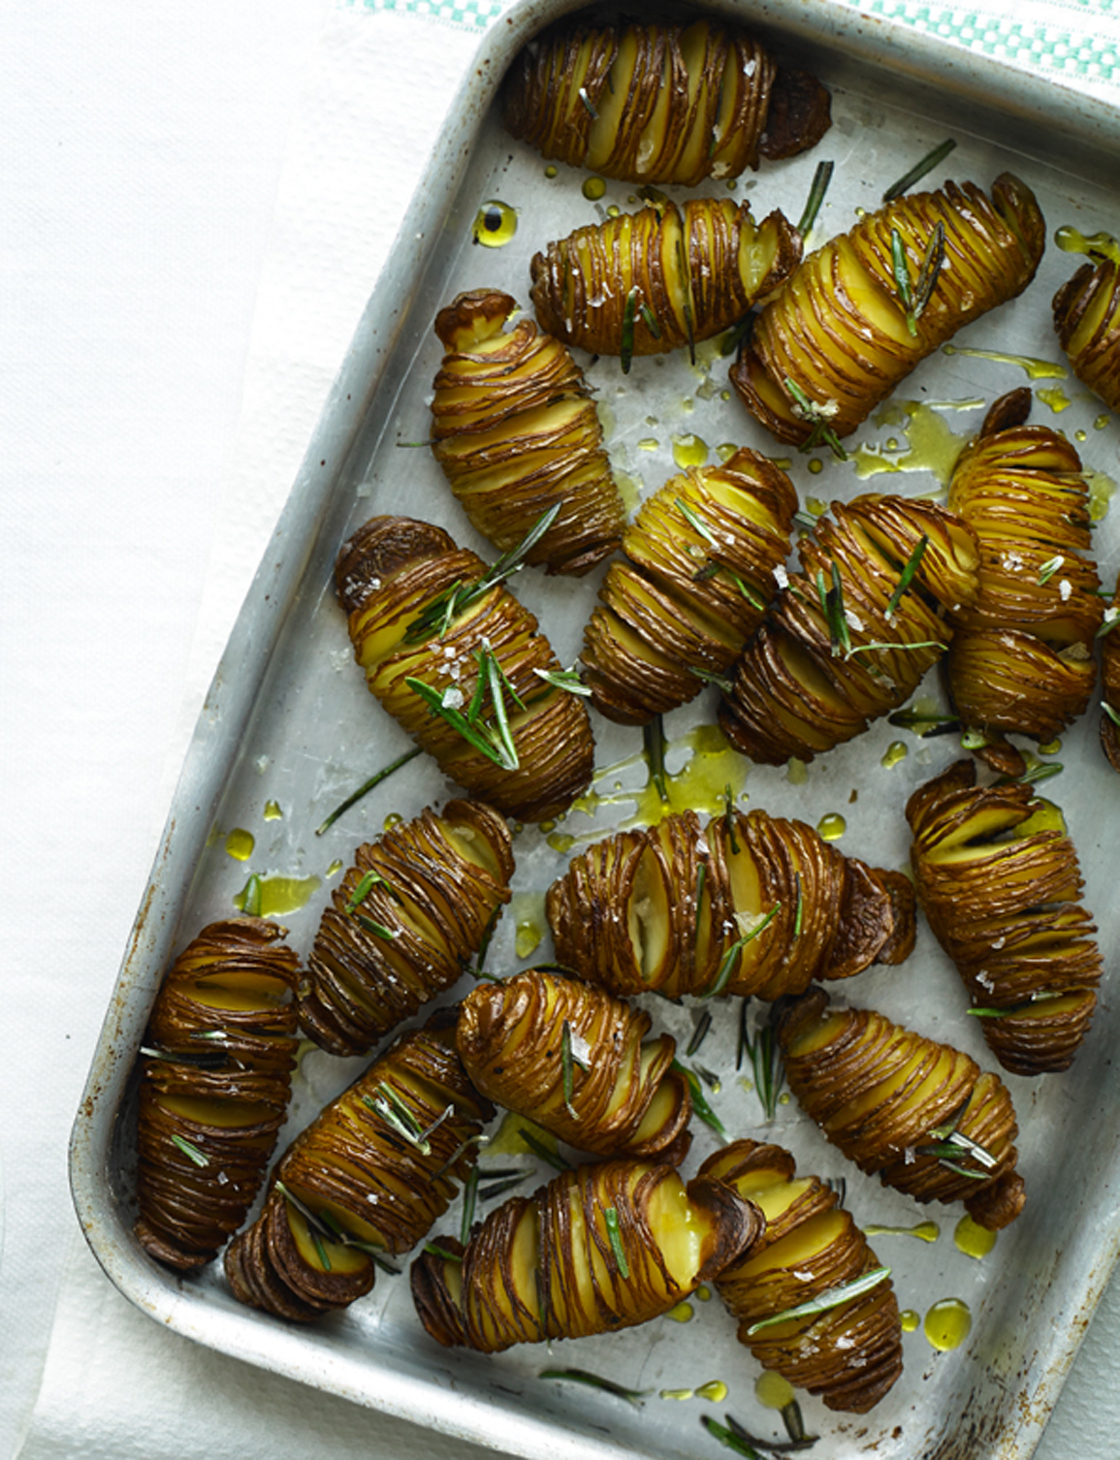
906, 577
197, 1059
1110, 712
919, 170
817, 416
538, 1148
709, 676
365, 886
832, 1298
366, 787
654, 742
795, 1428
593, 1381
913, 719
371, 925
491, 738
915, 297
800, 909
470, 1197
479, 1140
700, 1101
832, 606
499, 1188
730, 958
1049, 568
445, 607
948, 1142
766, 1061
396, 1114
191, 1152
729, 1439
1033, 774
610, 1216
821, 179
444, 1253
565, 679
650, 320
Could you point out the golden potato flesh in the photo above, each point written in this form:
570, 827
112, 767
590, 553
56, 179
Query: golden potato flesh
370, 1174
415, 905
1087, 316
849, 639
662, 278
214, 1089
600, 1248
578, 1062
998, 879
414, 613
696, 576
660, 103
516, 432
920, 1115
850, 1354
839, 328
750, 904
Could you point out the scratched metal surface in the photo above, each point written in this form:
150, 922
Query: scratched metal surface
289, 720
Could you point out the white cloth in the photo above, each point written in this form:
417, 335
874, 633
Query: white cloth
197, 200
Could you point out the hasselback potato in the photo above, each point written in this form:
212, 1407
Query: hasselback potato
515, 429
696, 577
415, 905
853, 633
1110, 681
422, 611
664, 277
599, 1248
922, 1116
849, 1354
660, 103
841, 330
214, 1087
998, 879
1087, 314
578, 1062
369, 1175
750, 904
1022, 652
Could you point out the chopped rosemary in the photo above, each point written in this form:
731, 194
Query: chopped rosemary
700, 1033
700, 1101
686, 293
610, 1216
1040, 772
914, 719
947, 1142
568, 1061
371, 925
593, 1381
491, 738
709, 676
654, 742
817, 416
470, 1196
499, 1188
919, 170
795, 1428
1049, 568
821, 179
729, 1439
565, 679
191, 1152
728, 962
396, 1114
1111, 619
366, 787
479, 1140
538, 1148
800, 907
832, 606
444, 1253
1112, 714
698, 898
915, 297
202, 1059
583, 96
832, 1298
906, 577
880, 646
365, 886
650, 319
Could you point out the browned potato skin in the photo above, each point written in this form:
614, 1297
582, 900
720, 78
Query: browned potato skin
860, 1050
1087, 318
348, 1154
1022, 652
436, 901
495, 1312
846, 915
1008, 917
1110, 683
385, 576
793, 693
188, 1211
509, 1039
662, 616
696, 102
847, 359
697, 269
515, 431
849, 1355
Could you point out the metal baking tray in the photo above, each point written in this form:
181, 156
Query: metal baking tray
288, 721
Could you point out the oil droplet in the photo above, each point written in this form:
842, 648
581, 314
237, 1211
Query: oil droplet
783, 1098
924, 1231
745, 1083
972, 1239
1036, 369
726, 450
675, 1394
394, 818
562, 842
1101, 422
272, 811
279, 895
773, 1390
1050, 748
947, 1324
896, 751
240, 844
816, 465
593, 188
495, 223
527, 939
930, 445
335, 867
527, 911
1072, 240
682, 1313
1101, 491
714, 1389
831, 828
689, 450
703, 1292
1054, 397
797, 772
816, 506
629, 488
507, 1139
648, 443
1080, 436
909, 1320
